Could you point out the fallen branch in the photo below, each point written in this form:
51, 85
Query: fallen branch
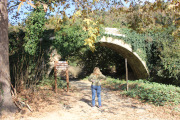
16, 100
17, 105
25, 104
29, 108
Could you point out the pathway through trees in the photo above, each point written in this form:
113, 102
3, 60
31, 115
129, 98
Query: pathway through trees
76, 105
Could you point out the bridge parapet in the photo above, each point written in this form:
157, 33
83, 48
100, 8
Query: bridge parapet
113, 31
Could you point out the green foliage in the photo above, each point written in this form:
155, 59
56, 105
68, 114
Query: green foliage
150, 33
158, 94
153, 32
51, 82
159, 21
24, 66
140, 42
61, 83
69, 39
34, 29
27, 53
160, 51
167, 50
46, 82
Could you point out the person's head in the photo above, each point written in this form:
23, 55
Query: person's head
96, 71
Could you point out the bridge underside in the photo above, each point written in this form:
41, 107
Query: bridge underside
137, 65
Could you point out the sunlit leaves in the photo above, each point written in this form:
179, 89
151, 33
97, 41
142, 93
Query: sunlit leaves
31, 4
88, 21
175, 6
20, 5
34, 5
89, 25
58, 24
93, 31
28, 2
176, 34
45, 6
78, 13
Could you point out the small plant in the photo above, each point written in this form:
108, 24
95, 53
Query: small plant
46, 82
51, 82
61, 83
177, 109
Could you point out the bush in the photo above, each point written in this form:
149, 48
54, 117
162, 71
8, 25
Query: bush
158, 94
50, 82
61, 83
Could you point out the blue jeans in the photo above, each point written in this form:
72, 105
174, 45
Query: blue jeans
95, 89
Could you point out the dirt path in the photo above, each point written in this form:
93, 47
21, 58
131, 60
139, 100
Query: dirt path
76, 105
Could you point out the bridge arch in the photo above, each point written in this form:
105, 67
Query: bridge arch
136, 63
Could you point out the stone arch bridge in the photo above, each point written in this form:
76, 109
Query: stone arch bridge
136, 63
138, 66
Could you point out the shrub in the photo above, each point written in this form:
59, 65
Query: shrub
158, 94
50, 82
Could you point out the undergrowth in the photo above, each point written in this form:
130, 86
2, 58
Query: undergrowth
50, 82
156, 93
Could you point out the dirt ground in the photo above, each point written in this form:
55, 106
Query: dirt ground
76, 105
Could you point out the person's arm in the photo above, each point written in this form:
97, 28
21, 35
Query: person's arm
91, 78
102, 77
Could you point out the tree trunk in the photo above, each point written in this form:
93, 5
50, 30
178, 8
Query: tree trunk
6, 103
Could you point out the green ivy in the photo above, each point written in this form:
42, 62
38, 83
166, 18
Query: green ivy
35, 26
158, 48
136, 40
